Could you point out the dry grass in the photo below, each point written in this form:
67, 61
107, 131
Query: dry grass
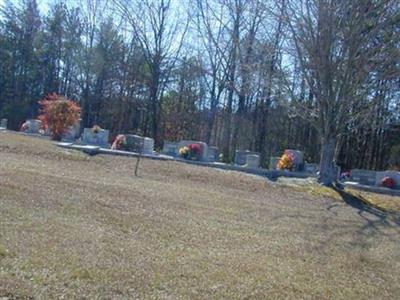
74, 226
387, 203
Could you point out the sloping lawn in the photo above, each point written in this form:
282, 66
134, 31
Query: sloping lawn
80, 227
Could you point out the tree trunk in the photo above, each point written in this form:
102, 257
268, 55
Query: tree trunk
327, 171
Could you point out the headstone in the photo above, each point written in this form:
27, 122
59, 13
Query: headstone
273, 162
98, 139
203, 146
395, 175
240, 156
365, 177
73, 132
311, 168
34, 126
170, 148
3, 123
213, 154
298, 159
135, 142
253, 161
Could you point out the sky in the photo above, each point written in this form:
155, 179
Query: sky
43, 4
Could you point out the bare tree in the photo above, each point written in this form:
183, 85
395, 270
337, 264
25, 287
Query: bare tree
160, 34
334, 42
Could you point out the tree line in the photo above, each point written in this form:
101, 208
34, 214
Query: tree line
321, 76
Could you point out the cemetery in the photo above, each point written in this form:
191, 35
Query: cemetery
207, 149
96, 140
74, 220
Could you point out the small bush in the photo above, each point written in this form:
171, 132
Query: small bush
58, 113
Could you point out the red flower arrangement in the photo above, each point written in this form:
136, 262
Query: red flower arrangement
192, 151
388, 182
195, 151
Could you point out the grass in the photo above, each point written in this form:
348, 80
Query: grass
381, 202
80, 227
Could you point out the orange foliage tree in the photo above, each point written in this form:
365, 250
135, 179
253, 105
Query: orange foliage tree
58, 113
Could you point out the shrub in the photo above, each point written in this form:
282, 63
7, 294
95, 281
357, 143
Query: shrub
58, 113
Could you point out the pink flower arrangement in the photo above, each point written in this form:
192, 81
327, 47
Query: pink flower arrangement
119, 142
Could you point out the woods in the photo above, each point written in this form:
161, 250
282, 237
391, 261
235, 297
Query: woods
321, 76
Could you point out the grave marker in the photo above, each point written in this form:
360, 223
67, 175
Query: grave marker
273, 162
253, 161
33, 126
395, 175
170, 148
134, 144
213, 154
3, 123
204, 148
365, 177
99, 138
311, 168
298, 158
240, 156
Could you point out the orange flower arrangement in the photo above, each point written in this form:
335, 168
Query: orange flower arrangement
286, 162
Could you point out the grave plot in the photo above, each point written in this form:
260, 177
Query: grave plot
96, 136
170, 148
32, 126
193, 150
3, 123
241, 156
73, 132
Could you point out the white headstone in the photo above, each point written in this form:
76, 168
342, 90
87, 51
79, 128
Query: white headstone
365, 177
170, 148
34, 126
98, 139
204, 148
253, 161
395, 175
135, 142
240, 156
213, 154
311, 168
73, 132
3, 123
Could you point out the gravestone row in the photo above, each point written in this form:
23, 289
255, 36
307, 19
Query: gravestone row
374, 178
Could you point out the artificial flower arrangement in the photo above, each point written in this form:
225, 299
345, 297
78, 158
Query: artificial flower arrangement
286, 162
388, 182
119, 143
96, 129
192, 151
24, 127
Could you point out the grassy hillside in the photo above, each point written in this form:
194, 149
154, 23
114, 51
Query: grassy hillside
75, 226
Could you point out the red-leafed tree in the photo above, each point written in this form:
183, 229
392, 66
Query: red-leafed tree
58, 113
